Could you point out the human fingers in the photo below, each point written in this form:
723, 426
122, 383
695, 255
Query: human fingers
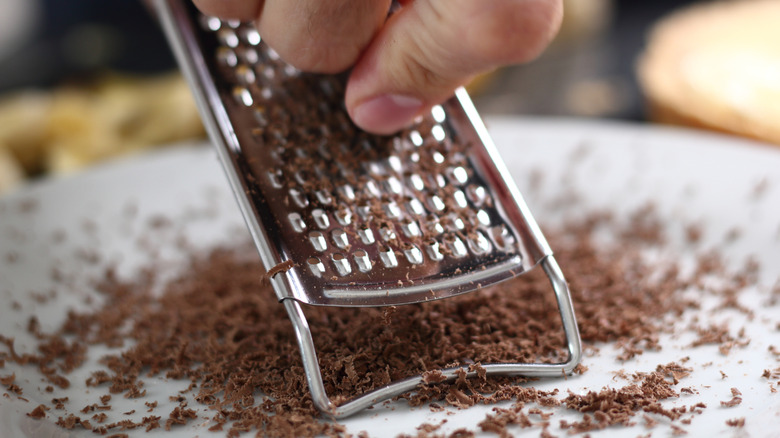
324, 36
430, 47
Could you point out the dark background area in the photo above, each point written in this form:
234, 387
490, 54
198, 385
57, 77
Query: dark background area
75, 40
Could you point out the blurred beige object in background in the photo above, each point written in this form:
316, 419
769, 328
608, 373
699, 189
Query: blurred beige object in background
23, 121
118, 116
74, 126
717, 66
584, 18
11, 173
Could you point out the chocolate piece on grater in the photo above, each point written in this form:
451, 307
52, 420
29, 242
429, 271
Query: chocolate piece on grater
365, 220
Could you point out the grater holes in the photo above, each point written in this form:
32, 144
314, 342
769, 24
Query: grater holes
227, 37
272, 55
245, 75
438, 133
227, 57
297, 222
341, 263
435, 204
414, 207
410, 228
267, 72
210, 23
392, 185
433, 225
416, 138
460, 199
387, 232
275, 177
476, 194
421, 163
391, 209
266, 93
260, 115
503, 239
322, 149
277, 132
483, 218
366, 235
243, 96
371, 188
453, 222
457, 175
343, 215
438, 114
435, 181
433, 250
317, 239
387, 256
374, 168
340, 238
362, 260
316, 266
300, 198
415, 181
412, 253
248, 55
250, 35
455, 246
394, 163
290, 71
324, 197
301, 176
364, 210
478, 243
277, 155
321, 218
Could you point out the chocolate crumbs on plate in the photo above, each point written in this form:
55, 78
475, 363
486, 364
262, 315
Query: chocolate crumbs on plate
220, 330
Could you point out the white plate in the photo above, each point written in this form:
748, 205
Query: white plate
721, 182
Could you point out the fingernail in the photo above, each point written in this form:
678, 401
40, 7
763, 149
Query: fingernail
387, 113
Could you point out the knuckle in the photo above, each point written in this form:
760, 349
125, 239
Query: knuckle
418, 69
509, 31
318, 59
311, 55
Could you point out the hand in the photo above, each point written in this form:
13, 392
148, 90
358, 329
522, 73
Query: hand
403, 64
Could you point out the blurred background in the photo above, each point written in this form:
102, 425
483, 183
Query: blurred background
85, 80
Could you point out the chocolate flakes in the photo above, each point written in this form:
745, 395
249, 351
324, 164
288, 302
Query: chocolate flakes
222, 331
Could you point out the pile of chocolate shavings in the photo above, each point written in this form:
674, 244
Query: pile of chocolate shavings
222, 330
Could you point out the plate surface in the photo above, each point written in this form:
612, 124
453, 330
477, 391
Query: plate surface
722, 183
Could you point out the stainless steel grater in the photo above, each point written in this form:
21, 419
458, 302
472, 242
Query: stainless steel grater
346, 218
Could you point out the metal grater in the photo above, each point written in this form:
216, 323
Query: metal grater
345, 218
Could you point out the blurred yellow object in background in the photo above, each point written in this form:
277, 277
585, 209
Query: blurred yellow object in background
717, 66
11, 173
74, 126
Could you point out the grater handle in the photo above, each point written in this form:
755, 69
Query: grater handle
357, 404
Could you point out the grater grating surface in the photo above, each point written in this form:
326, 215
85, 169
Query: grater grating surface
349, 218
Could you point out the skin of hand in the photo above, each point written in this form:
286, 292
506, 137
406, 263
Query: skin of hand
403, 63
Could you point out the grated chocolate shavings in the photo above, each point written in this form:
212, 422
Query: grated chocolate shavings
281, 267
219, 328
39, 412
736, 422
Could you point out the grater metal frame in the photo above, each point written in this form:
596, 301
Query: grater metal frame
178, 22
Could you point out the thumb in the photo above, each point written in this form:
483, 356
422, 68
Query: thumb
428, 48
